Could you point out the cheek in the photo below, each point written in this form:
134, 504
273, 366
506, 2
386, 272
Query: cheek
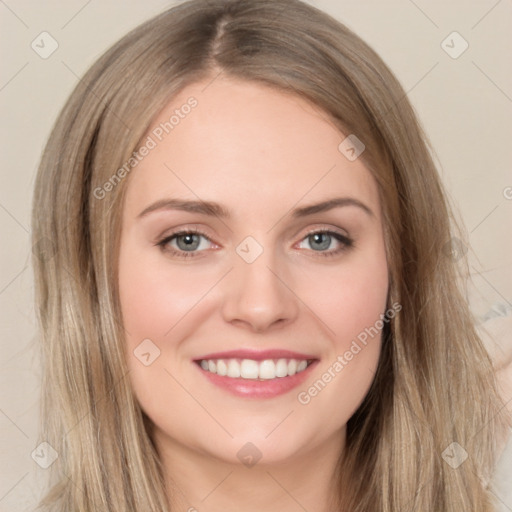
351, 309
154, 298
348, 298
161, 304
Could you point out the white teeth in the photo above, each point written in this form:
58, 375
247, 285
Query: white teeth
302, 366
233, 369
281, 368
222, 368
267, 369
251, 369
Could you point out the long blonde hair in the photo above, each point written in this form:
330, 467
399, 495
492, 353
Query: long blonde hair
434, 385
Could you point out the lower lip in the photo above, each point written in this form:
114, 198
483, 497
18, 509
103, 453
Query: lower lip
250, 388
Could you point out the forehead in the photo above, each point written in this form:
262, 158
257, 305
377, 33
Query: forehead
248, 146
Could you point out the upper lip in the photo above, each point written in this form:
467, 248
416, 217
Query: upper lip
257, 355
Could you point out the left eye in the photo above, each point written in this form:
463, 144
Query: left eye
321, 240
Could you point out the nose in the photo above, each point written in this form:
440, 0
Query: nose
259, 295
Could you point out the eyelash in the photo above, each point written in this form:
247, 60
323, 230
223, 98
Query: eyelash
346, 243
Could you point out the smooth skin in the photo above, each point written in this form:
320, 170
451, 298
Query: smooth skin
261, 153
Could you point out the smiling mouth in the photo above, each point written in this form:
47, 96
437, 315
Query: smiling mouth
251, 369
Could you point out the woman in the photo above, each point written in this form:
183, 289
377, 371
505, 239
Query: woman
246, 299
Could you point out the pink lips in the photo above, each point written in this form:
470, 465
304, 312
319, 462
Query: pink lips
252, 388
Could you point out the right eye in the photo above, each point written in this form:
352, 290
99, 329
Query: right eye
183, 243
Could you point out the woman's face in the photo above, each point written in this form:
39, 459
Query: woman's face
280, 264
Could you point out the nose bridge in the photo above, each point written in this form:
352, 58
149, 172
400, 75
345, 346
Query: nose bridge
256, 293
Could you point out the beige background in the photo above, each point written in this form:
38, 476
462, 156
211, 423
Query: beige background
465, 105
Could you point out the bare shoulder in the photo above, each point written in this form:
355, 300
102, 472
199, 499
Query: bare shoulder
497, 336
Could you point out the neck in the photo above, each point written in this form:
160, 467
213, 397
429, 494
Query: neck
199, 482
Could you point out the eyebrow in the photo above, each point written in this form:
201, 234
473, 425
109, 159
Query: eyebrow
215, 209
